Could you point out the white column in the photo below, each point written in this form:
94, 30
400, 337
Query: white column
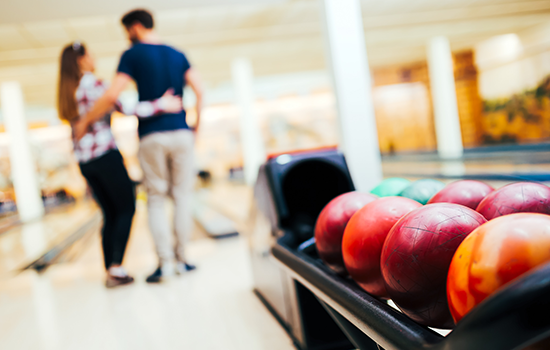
251, 139
347, 57
442, 85
23, 167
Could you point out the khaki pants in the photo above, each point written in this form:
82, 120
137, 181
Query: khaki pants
168, 170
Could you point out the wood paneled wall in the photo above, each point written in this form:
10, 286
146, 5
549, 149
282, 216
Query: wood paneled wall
403, 105
470, 106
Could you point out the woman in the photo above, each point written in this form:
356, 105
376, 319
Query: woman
99, 159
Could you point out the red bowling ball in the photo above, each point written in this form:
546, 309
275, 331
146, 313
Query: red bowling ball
416, 257
468, 193
331, 224
520, 197
364, 238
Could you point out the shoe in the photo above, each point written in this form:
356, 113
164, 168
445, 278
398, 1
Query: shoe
155, 277
115, 281
183, 267
162, 273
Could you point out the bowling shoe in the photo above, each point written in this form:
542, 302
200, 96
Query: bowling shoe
115, 281
162, 273
183, 267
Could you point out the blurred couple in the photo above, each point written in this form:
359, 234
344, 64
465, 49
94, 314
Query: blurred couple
166, 142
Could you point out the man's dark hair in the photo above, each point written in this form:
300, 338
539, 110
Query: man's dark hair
138, 16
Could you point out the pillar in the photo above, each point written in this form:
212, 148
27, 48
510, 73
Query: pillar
23, 168
442, 86
347, 58
251, 139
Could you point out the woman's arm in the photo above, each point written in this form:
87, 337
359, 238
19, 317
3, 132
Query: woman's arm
168, 103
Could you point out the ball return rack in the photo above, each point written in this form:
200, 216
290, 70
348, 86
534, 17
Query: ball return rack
323, 311
517, 317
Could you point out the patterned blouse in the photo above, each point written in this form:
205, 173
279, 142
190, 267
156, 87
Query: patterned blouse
99, 139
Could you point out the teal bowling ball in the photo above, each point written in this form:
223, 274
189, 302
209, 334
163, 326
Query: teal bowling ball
422, 190
392, 186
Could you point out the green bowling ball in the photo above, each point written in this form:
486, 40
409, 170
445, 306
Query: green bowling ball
392, 186
422, 190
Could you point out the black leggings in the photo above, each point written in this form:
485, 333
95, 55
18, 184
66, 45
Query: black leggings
114, 192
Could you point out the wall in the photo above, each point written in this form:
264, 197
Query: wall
298, 112
287, 123
470, 106
513, 73
403, 105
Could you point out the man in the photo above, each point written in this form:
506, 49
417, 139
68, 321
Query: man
166, 141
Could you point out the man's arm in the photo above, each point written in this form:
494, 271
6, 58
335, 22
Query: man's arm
103, 105
194, 81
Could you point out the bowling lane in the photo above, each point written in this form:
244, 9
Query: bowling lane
67, 307
22, 244
495, 166
229, 198
460, 168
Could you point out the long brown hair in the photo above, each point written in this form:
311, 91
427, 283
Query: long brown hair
69, 78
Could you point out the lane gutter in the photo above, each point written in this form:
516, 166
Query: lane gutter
55, 252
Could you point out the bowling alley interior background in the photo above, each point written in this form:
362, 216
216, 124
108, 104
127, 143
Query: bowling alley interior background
367, 175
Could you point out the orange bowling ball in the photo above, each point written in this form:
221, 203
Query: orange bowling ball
494, 254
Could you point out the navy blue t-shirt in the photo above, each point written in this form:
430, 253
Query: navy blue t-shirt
155, 69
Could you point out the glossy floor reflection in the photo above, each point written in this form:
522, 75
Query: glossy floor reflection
23, 244
67, 307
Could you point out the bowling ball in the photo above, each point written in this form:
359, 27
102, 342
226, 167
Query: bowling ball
391, 187
494, 254
422, 190
331, 223
469, 193
416, 257
519, 197
364, 238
